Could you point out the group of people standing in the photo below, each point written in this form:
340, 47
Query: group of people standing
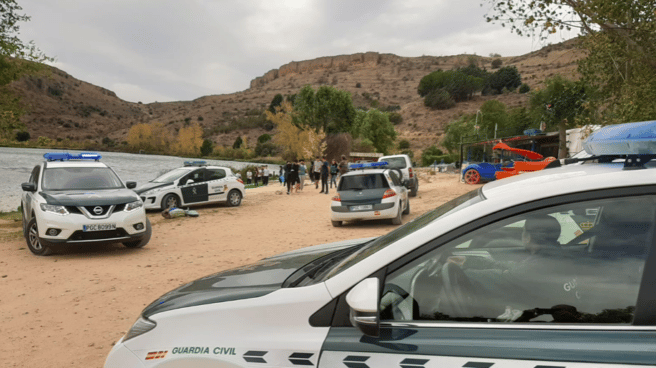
259, 173
319, 170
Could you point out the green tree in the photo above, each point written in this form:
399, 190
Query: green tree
238, 142
404, 144
507, 77
430, 155
263, 138
460, 84
374, 126
329, 110
206, 148
559, 104
277, 100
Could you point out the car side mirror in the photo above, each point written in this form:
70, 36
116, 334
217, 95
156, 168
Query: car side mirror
28, 187
131, 184
363, 302
190, 181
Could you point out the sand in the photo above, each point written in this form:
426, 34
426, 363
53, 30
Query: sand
68, 309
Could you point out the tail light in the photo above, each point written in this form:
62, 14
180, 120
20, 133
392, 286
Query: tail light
410, 171
389, 193
337, 198
241, 181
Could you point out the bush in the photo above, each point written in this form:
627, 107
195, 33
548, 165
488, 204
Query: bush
524, 88
430, 154
404, 144
496, 63
507, 77
265, 149
439, 99
358, 85
206, 148
22, 136
263, 138
238, 143
395, 118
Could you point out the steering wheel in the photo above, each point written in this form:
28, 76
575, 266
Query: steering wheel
459, 290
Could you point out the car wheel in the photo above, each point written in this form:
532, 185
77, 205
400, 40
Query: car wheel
170, 201
33, 241
234, 198
143, 241
472, 176
336, 223
398, 220
24, 221
414, 189
406, 211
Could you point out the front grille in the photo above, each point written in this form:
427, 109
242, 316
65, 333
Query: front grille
90, 209
98, 235
73, 209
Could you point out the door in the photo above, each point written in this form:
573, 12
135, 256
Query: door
523, 290
216, 182
28, 197
194, 189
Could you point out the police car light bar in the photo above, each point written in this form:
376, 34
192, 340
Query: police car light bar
368, 165
195, 163
623, 139
64, 156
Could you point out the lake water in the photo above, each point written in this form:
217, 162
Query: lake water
16, 164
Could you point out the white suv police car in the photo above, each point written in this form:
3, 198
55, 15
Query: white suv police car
370, 192
75, 199
194, 183
404, 165
489, 279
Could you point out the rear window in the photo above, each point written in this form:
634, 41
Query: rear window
395, 162
361, 182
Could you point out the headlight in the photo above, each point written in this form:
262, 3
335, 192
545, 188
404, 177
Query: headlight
60, 210
140, 327
133, 205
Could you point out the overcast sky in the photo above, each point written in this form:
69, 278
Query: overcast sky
166, 50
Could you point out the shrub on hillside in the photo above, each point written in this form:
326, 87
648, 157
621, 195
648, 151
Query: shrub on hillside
22, 136
524, 88
404, 144
439, 99
430, 154
395, 118
496, 63
206, 148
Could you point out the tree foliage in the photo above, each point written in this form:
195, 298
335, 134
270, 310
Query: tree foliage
329, 110
507, 77
296, 142
460, 84
207, 148
277, 100
237, 143
189, 140
374, 126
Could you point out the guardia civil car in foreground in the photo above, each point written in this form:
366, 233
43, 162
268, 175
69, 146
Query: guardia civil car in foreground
546, 269
74, 199
194, 183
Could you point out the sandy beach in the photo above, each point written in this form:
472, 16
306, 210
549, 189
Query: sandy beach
68, 309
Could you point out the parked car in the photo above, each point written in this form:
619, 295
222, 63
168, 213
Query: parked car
76, 199
194, 183
369, 192
485, 171
552, 268
404, 164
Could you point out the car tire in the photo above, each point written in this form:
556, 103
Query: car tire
170, 200
33, 240
336, 223
398, 220
234, 198
472, 176
406, 211
414, 189
143, 241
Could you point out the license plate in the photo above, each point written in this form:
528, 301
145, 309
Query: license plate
361, 207
99, 227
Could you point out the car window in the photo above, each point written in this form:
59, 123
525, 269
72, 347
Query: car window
215, 174
575, 263
34, 177
72, 178
364, 181
196, 176
395, 162
395, 178
171, 176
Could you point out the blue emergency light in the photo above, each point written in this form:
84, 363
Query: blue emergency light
65, 156
634, 141
368, 165
195, 163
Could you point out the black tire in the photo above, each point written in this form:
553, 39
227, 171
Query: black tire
33, 240
234, 198
414, 189
170, 200
336, 223
398, 220
406, 211
143, 241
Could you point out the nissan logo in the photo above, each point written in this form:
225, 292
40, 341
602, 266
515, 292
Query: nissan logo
97, 210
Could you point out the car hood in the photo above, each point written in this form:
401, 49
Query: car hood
245, 282
150, 185
89, 197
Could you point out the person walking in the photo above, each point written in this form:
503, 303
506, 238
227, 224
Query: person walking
256, 176
325, 171
288, 175
295, 177
343, 167
302, 171
316, 172
333, 173
281, 176
249, 177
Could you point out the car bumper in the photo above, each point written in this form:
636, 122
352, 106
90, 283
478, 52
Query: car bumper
122, 357
339, 212
152, 202
70, 229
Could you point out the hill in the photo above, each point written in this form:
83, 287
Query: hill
63, 107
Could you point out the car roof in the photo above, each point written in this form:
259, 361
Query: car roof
366, 171
569, 179
60, 164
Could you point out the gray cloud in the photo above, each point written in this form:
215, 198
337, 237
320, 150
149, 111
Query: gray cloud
166, 50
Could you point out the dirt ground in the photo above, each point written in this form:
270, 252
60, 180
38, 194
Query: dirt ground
68, 309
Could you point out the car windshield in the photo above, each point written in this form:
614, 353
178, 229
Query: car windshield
447, 208
77, 178
171, 176
361, 182
395, 162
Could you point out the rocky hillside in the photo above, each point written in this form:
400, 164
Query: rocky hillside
61, 106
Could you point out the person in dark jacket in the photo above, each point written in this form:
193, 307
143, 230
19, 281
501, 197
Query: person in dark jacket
325, 171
